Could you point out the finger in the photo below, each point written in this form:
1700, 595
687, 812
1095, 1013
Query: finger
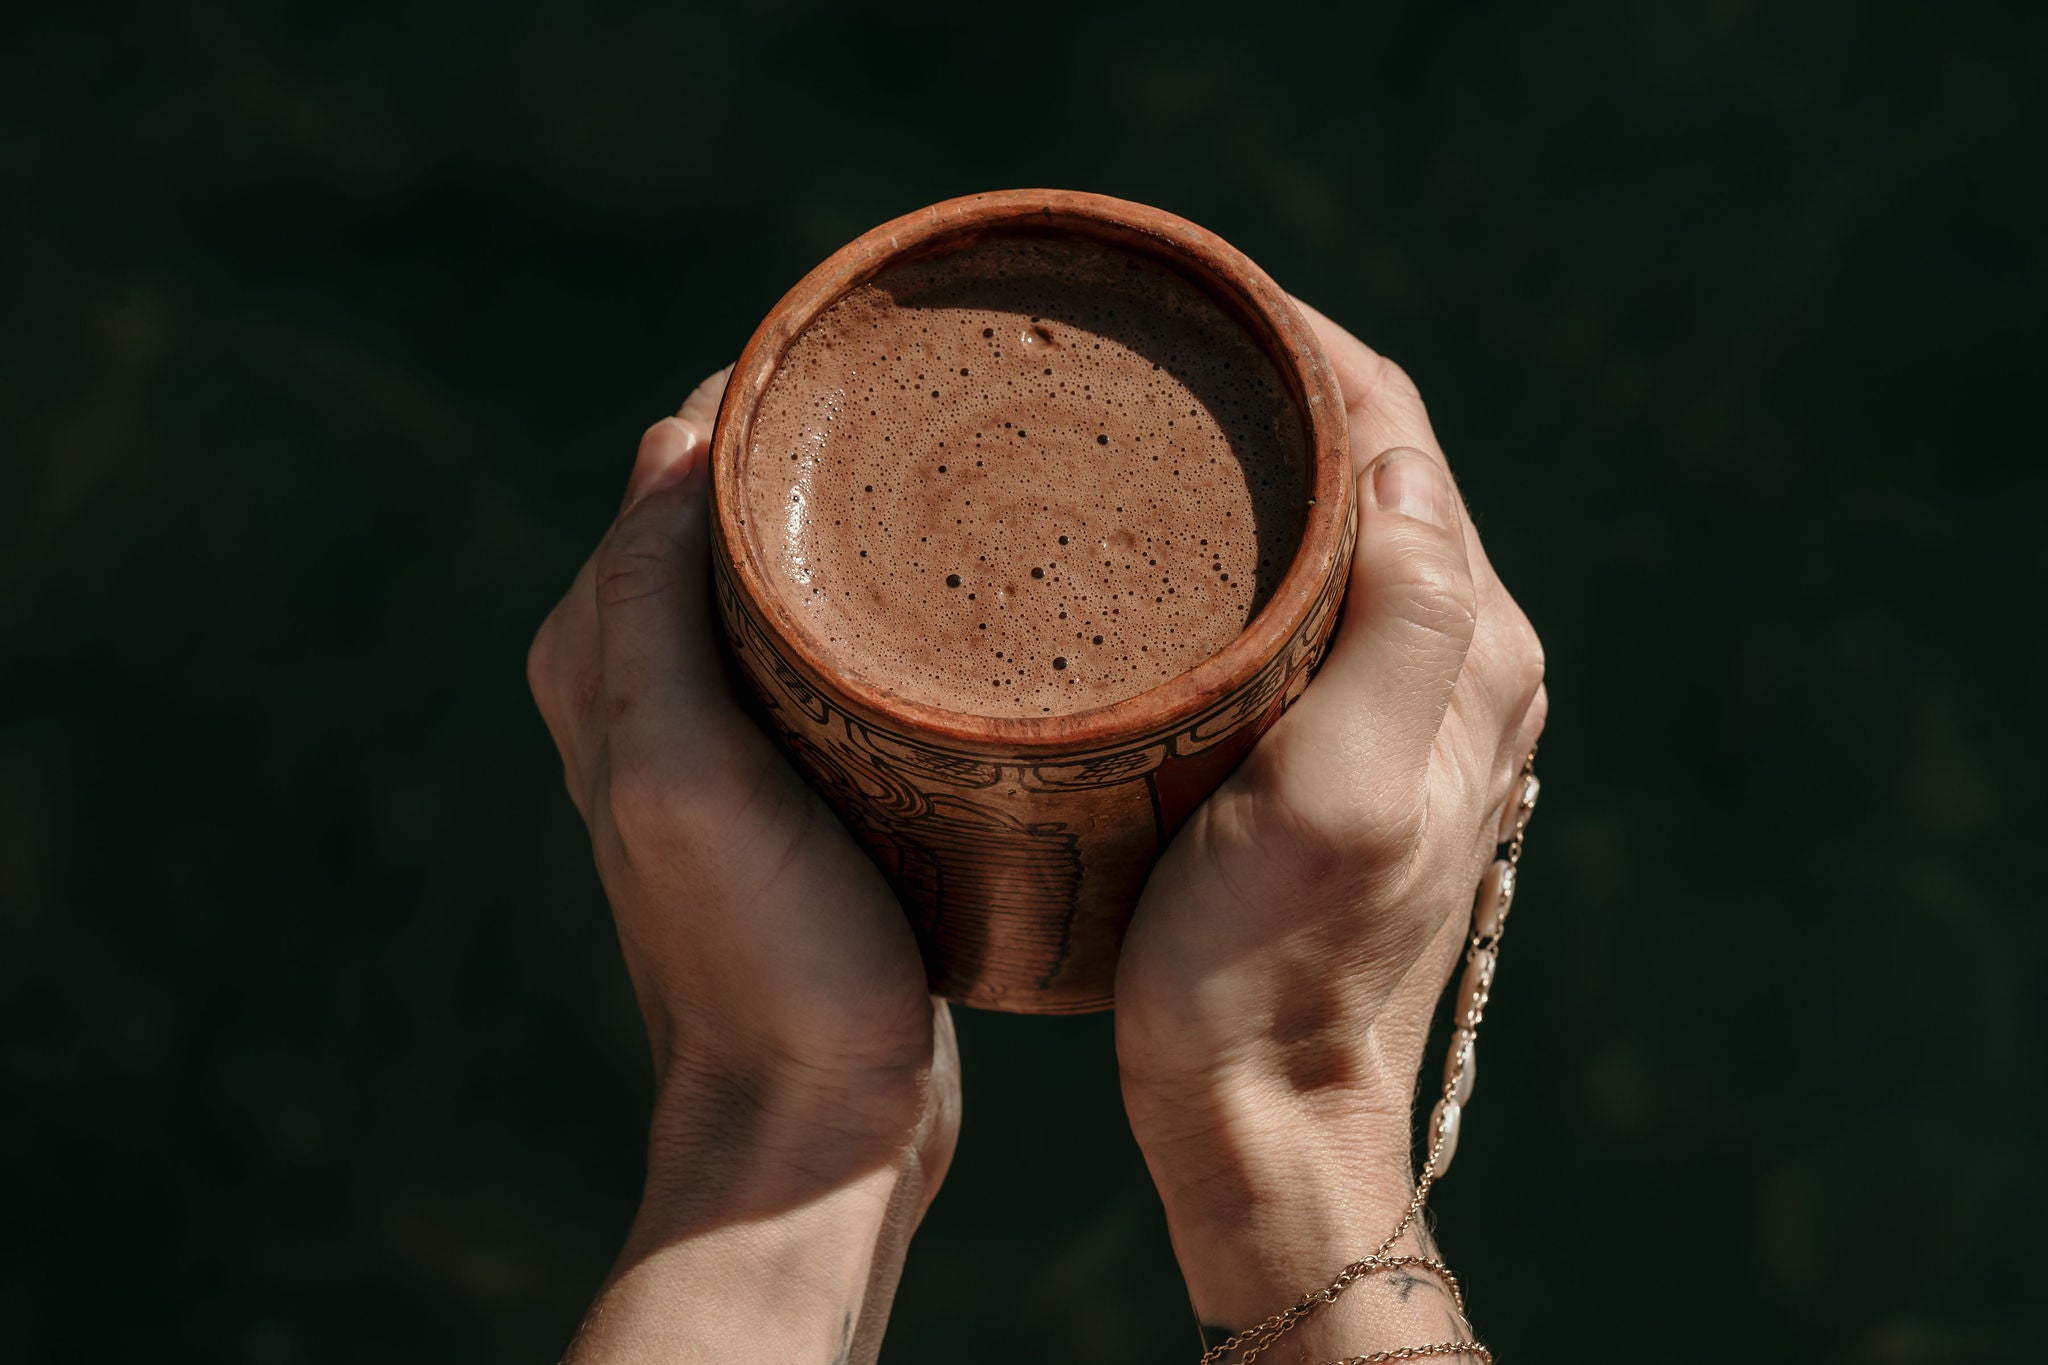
540, 667
1522, 742
1516, 747
701, 407
576, 661
656, 641
563, 663
561, 672
1408, 620
1503, 671
1381, 402
1385, 410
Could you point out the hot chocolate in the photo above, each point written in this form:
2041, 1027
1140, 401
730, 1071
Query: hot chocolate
1029, 476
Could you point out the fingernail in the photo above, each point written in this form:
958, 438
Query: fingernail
669, 455
1410, 484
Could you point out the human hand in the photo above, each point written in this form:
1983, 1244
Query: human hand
1275, 989
807, 1087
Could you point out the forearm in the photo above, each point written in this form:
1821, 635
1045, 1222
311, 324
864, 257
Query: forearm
810, 1283
769, 1229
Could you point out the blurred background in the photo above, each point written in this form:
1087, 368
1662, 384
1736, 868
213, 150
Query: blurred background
326, 336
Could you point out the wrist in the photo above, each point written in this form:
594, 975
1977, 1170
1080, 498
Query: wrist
777, 1208
731, 1133
1397, 1311
1271, 1186
1281, 1195
807, 1282
772, 1225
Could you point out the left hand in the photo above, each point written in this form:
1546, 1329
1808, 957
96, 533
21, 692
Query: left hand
807, 1087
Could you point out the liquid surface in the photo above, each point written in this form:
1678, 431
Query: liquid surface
1031, 477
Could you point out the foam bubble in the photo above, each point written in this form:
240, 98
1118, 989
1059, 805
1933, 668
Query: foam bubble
1138, 480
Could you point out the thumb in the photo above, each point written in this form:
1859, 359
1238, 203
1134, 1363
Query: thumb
656, 644
1407, 622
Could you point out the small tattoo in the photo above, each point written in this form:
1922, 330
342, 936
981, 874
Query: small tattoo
845, 1352
1403, 1282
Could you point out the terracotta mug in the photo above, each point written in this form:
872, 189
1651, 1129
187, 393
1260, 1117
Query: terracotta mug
1019, 845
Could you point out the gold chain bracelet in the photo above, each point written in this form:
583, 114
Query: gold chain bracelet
1482, 955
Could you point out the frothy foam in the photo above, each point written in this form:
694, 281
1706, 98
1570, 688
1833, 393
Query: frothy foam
1033, 476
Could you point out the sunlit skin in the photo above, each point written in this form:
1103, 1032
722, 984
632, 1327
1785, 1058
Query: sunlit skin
1272, 998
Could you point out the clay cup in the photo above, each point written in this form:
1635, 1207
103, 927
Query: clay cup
1019, 845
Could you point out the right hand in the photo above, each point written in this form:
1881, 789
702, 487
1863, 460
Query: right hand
1277, 983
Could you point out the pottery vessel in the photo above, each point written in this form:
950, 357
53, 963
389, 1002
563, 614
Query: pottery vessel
1019, 845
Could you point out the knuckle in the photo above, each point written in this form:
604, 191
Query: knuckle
1325, 822
562, 683
703, 402
539, 664
1525, 655
636, 561
1433, 593
657, 795
664, 433
1395, 381
579, 794
1311, 839
1395, 397
1511, 663
1528, 656
641, 796
584, 690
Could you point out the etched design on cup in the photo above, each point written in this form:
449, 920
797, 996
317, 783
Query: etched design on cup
972, 875
1019, 848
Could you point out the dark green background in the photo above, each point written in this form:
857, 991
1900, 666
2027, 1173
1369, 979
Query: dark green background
328, 334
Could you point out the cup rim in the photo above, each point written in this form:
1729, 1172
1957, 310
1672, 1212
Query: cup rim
1247, 292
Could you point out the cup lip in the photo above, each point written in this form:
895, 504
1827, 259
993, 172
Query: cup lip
1210, 262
